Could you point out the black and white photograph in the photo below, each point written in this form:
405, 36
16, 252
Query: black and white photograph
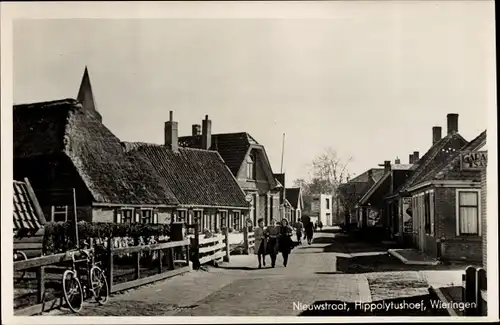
258, 161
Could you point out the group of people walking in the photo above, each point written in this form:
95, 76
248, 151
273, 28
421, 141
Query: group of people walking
272, 240
277, 238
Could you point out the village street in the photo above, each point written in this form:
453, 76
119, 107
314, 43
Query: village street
335, 269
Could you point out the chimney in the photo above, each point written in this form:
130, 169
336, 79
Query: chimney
452, 123
370, 174
196, 129
387, 166
206, 135
397, 161
171, 133
415, 157
411, 158
436, 134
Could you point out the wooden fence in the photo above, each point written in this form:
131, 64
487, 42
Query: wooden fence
167, 266
248, 240
213, 249
474, 291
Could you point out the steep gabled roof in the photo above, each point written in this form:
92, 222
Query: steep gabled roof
293, 196
196, 177
232, 147
110, 174
449, 169
439, 152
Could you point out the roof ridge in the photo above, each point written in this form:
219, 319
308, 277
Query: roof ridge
420, 169
449, 164
68, 100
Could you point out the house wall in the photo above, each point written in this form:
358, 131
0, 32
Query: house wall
261, 182
483, 216
452, 247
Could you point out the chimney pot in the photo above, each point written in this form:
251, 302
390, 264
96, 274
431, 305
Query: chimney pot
411, 158
415, 156
452, 120
397, 161
387, 165
196, 129
436, 134
206, 134
171, 133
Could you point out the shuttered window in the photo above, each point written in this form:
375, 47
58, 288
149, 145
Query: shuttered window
468, 212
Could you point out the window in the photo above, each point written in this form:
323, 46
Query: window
59, 213
468, 212
125, 216
328, 203
181, 216
223, 219
236, 220
146, 216
251, 167
198, 219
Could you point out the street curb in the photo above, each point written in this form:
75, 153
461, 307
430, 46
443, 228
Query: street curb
394, 252
440, 295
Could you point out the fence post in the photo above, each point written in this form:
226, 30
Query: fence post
110, 263
481, 285
171, 259
160, 261
226, 257
137, 260
245, 240
470, 289
40, 278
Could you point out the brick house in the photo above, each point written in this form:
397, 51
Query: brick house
68, 154
248, 162
373, 200
445, 200
352, 191
401, 199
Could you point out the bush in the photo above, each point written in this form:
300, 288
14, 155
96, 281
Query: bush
60, 236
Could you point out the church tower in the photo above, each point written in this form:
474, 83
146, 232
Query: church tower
86, 96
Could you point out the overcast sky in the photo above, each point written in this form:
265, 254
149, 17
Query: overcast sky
370, 83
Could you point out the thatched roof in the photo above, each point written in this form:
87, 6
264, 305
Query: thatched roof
110, 174
195, 176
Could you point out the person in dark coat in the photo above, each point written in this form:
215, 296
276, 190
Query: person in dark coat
285, 240
309, 230
320, 225
260, 235
272, 244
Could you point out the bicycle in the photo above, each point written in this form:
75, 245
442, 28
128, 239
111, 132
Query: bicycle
96, 284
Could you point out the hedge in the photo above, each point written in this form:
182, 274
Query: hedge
60, 236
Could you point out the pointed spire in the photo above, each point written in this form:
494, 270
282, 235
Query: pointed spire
86, 96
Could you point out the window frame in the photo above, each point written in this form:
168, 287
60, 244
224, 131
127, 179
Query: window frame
223, 213
457, 211
121, 214
250, 164
236, 222
151, 216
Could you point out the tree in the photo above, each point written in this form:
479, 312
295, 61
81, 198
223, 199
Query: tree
327, 172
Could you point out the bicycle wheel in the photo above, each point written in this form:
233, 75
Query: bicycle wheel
72, 289
100, 288
20, 256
